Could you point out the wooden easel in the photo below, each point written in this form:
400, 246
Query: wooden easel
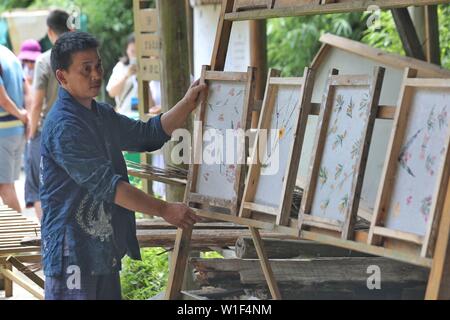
439, 280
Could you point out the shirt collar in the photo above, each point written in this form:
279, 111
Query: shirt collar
64, 95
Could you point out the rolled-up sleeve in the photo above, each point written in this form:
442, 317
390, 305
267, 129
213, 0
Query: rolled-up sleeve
139, 136
72, 148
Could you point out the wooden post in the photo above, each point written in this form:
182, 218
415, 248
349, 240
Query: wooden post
439, 280
258, 59
408, 33
143, 86
8, 281
179, 262
265, 265
432, 47
175, 81
175, 75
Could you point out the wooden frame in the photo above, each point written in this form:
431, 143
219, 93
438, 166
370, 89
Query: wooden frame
192, 195
242, 5
274, 82
308, 217
326, 7
378, 231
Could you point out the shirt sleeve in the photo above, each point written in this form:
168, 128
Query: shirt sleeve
117, 73
72, 149
139, 136
41, 75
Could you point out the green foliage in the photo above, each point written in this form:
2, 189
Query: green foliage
144, 279
386, 37
211, 255
444, 34
293, 42
110, 21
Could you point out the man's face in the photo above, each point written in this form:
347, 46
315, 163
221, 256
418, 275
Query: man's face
83, 79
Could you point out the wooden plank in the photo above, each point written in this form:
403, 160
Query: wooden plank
145, 224
241, 5
150, 45
11, 276
226, 76
313, 9
222, 37
439, 280
265, 265
179, 264
396, 61
18, 249
432, 44
260, 208
200, 238
427, 83
288, 249
385, 232
26, 271
408, 33
150, 69
317, 271
370, 249
148, 20
288, 81
8, 282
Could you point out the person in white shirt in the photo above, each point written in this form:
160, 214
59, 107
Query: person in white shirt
122, 85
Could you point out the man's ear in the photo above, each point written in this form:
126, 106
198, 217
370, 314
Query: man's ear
60, 76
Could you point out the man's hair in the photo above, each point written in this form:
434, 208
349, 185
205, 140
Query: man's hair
68, 44
57, 21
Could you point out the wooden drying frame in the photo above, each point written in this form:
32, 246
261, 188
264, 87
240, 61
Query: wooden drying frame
274, 81
439, 280
191, 196
374, 82
377, 230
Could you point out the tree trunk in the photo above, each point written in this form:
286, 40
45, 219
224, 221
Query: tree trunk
175, 75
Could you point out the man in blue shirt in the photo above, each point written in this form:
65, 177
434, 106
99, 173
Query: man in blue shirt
88, 220
13, 117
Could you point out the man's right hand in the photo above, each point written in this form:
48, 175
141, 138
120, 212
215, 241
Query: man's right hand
23, 116
179, 215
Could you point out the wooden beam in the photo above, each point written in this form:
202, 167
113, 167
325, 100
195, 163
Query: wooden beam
432, 46
179, 264
287, 249
265, 265
26, 271
408, 33
222, 37
318, 271
439, 281
175, 73
12, 277
313, 9
258, 59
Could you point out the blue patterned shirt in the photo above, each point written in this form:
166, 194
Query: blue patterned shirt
81, 164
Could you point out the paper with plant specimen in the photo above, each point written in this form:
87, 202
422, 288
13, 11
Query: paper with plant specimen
341, 154
420, 160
